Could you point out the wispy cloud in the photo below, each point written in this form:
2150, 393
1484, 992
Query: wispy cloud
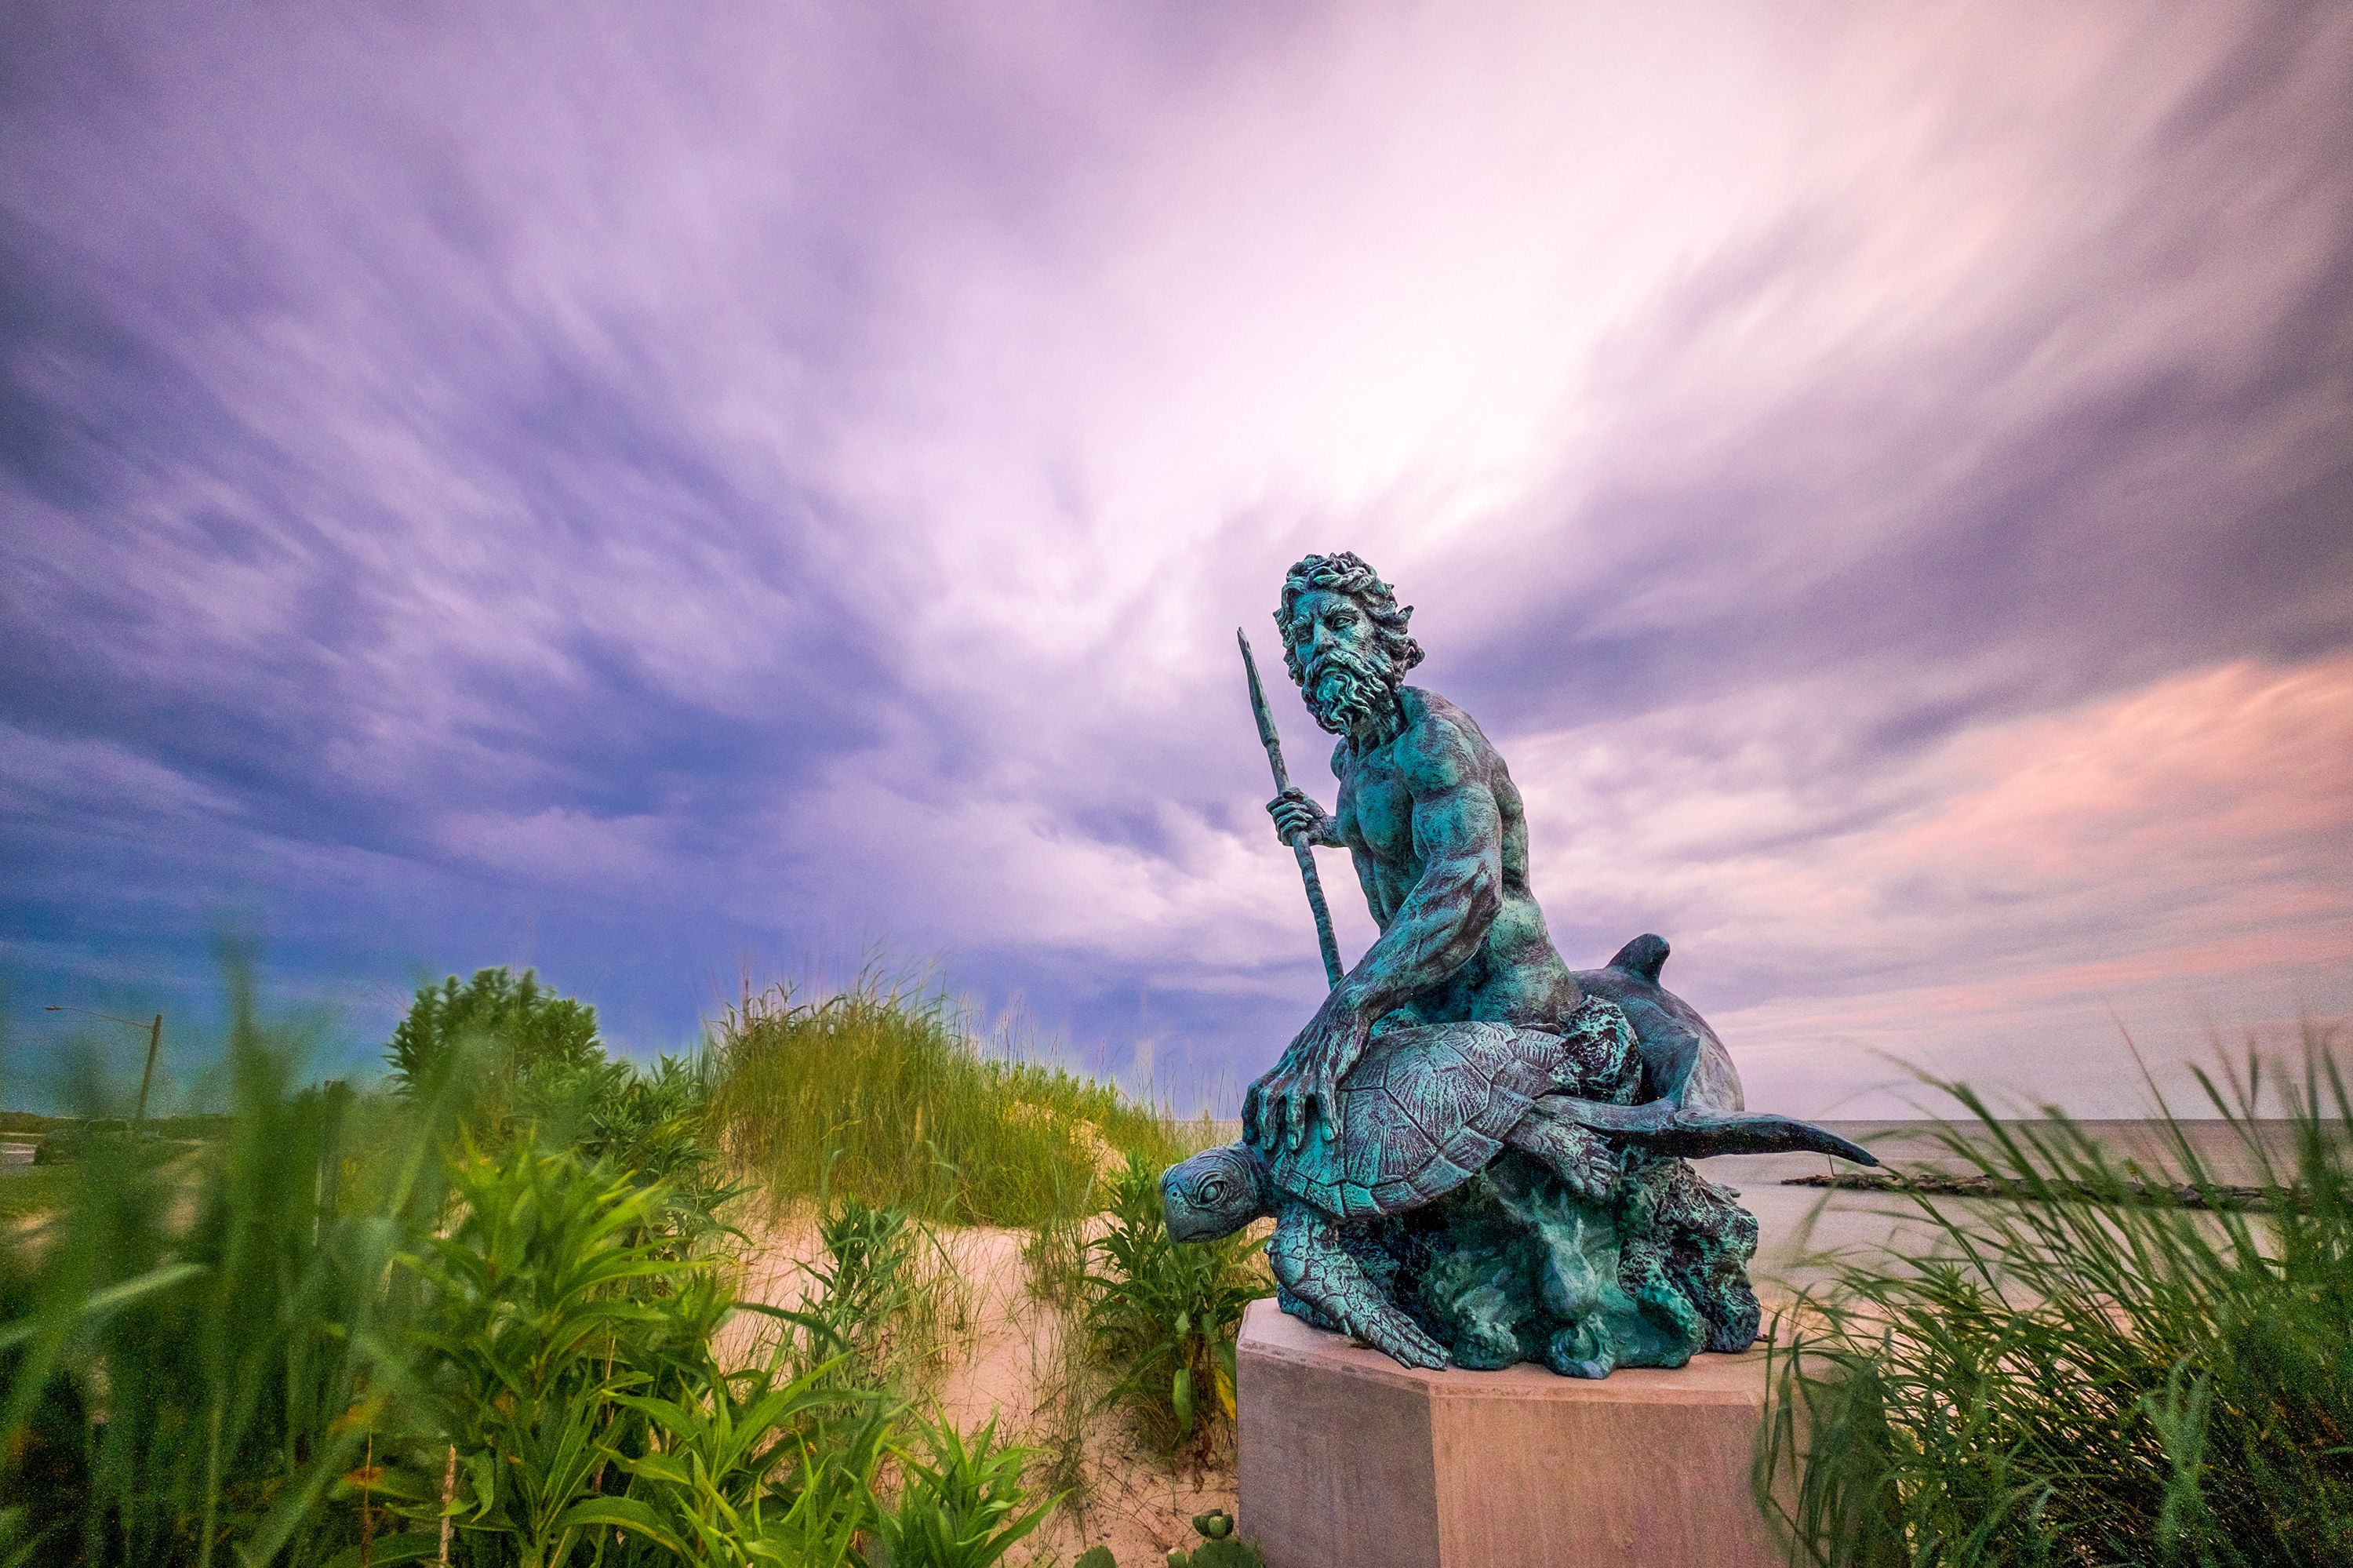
652, 494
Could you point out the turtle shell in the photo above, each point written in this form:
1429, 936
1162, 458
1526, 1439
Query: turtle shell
1424, 1111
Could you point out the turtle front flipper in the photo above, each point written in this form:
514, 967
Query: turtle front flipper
1309, 1264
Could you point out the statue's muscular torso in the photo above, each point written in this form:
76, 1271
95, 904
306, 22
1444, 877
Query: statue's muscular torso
1440, 768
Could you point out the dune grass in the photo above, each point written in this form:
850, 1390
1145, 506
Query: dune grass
2095, 1376
886, 1091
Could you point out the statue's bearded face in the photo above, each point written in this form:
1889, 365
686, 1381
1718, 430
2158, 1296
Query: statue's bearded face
1344, 672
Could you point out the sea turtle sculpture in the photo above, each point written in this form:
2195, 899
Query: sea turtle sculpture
1432, 1107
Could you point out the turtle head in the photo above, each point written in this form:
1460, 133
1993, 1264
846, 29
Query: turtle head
1216, 1193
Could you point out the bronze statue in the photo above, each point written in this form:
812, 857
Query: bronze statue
1474, 1152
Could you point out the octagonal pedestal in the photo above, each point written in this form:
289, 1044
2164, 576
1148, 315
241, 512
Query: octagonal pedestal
1348, 1460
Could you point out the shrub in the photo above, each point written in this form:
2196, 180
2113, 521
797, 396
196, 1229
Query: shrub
525, 1062
539, 1314
578, 1393
764, 1471
864, 1291
528, 1031
652, 1124
2096, 1375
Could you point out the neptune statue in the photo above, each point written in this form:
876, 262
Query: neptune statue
1472, 1153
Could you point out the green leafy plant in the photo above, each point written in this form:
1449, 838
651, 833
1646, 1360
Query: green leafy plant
2094, 1374
1166, 1313
770, 1469
351, 1329
653, 1120
581, 1395
524, 1061
653, 1124
536, 1316
961, 1502
863, 1291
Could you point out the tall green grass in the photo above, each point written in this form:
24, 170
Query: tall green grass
885, 1091
194, 1345
2095, 1375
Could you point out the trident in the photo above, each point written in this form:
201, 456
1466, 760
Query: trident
1298, 842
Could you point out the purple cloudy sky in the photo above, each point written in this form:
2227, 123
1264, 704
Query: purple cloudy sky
662, 492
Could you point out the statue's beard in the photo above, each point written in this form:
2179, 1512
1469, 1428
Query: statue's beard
1350, 693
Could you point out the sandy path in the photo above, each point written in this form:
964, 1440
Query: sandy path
1005, 1355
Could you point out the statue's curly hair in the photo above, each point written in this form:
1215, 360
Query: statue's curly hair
1346, 573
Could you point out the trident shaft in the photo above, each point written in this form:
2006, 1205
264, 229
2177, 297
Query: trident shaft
1298, 842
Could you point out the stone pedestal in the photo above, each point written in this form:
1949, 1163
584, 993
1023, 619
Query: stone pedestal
1349, 1460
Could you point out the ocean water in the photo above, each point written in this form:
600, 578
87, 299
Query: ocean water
1794, 1222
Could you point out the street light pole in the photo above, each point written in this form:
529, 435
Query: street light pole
147, 1078
154, 1046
